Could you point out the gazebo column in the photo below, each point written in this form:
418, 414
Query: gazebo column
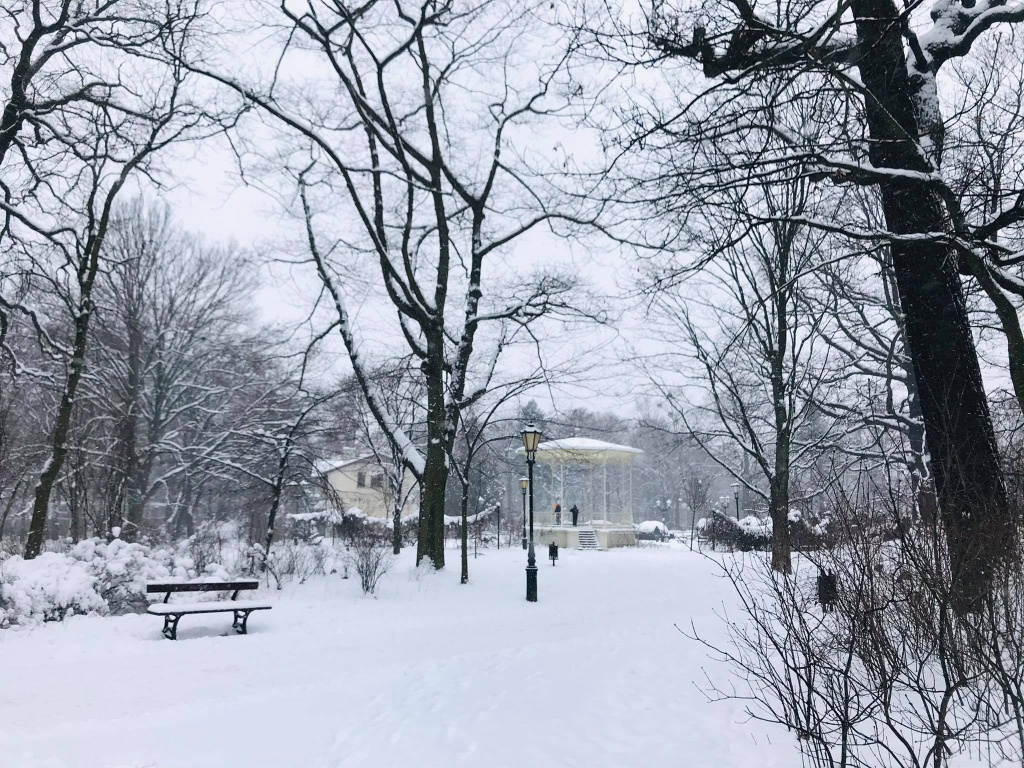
561, 500
604, 488
631, 493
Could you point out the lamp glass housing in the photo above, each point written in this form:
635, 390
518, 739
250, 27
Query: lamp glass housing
524, 483
531, 439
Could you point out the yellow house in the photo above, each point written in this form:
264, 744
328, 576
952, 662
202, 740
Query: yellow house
359, 482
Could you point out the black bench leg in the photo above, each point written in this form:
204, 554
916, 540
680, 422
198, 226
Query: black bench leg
171, 626
241, 619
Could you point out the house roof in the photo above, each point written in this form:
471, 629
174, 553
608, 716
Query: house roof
323, 466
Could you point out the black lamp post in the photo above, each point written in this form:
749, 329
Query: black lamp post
693, 512
736, 495
531, 439
524, 483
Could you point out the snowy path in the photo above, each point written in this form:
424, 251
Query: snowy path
430, 674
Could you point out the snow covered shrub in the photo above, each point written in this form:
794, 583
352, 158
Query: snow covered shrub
755, 534
805, 535
121, 570
288, 560
92, 576
651, 530
48, 588
211, 544
895, 674
369, 554
745, 535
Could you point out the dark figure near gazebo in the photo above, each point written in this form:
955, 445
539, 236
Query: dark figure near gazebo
575, 515
558, 513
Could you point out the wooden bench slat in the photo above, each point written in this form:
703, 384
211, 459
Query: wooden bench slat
200, 586
217, 606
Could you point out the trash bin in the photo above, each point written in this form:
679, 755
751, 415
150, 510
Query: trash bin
553, 552
828, 590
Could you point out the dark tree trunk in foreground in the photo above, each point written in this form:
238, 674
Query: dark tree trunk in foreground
430, 542
396, 532
85, 307
62, 424
275, 500
968, 479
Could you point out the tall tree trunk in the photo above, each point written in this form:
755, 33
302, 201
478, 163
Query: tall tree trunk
61, 430
778, 492
969, 483
435, 473
778, 507
128, 500
275, 499
396, 525
130, 438
464, 578
778, 502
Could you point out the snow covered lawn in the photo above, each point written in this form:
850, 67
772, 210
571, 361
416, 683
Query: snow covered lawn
431, 673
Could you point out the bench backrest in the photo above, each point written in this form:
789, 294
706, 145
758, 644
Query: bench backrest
200, 586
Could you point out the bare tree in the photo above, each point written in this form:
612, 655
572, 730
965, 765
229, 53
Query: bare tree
876, 65
873, 380
759, 364
696, 492
429, 218
83, 262
402, 390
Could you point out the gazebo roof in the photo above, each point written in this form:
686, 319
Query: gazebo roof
583, 449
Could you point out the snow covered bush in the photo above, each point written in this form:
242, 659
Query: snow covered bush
213, 544
745, 535
92, 576
298, 560
651, 530
48, 588
754, 533
120, 571
369, 554
892, 672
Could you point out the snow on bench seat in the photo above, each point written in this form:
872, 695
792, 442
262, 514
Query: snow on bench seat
210, 606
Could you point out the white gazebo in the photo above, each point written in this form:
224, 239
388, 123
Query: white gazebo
603, 491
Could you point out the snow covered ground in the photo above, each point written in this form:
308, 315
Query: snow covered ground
431, 673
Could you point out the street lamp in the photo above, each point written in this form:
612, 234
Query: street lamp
693, 511
736, 495
531, 439
524, 483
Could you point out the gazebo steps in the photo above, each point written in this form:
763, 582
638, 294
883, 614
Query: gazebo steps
588, 539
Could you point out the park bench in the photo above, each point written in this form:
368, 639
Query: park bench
172, 612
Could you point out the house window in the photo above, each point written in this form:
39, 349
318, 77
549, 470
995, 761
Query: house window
377, 481
361, 479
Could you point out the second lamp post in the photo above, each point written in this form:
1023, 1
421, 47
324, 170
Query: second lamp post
524, 483
531, 439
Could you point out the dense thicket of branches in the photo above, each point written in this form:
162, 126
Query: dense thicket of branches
188, 410
848, 98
